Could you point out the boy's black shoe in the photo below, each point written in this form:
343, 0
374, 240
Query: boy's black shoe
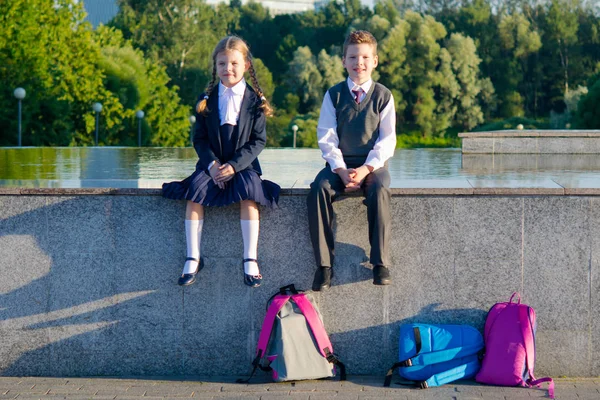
381, 275
322, 280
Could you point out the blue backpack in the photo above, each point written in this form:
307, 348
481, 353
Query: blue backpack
433, 355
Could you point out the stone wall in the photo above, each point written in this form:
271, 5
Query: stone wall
531, 142
89, 280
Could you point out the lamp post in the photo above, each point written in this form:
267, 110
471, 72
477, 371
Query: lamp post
97, 107
192, 122
20, 95
140, 115
294, 129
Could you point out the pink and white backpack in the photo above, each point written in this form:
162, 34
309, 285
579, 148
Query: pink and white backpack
509, 339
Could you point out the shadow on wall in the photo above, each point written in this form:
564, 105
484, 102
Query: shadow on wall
89, 288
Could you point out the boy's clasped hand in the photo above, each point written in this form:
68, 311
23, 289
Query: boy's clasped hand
353, 177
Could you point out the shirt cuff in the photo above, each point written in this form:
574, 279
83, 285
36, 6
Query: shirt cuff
337, 164
211, 164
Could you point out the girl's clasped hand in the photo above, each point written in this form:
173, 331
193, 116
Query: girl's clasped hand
220, 174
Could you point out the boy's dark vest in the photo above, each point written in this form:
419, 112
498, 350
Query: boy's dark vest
358, 124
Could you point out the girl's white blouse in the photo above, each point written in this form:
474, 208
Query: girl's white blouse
230, 101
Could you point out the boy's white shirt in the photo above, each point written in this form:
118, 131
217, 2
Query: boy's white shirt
328, 139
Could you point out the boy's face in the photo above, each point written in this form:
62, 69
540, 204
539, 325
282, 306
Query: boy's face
360, 61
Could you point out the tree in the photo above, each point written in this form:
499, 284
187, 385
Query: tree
465, 65
179, 34
331, 69
588, 109
46, 47
519, 40
304, 79
140, 84
563, 25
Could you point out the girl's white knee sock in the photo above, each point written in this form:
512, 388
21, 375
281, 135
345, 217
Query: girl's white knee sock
250, 230
193, 236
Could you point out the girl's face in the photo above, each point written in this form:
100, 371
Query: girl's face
231, 66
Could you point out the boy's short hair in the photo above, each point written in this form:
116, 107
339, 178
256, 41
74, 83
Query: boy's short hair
358, 37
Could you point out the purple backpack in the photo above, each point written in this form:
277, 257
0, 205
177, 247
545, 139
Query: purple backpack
509, 338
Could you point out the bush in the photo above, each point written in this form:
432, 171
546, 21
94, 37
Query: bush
588, 109
415, 139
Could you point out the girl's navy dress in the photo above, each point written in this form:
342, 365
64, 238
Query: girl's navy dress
237, 145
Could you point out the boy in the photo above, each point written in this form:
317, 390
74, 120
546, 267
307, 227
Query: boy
357, 135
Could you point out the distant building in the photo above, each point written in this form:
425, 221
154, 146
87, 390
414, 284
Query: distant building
102, 11
277, 7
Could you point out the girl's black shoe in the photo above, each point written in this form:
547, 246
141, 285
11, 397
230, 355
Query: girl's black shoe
188, 279
251, 280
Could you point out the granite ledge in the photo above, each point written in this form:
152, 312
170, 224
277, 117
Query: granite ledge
531, 133
397, 192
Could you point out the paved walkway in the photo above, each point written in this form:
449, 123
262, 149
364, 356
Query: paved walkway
355, 388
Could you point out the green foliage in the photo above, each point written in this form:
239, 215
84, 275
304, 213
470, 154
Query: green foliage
305, 79
588, 109
450, 64
65, 67
416, 139
264, 77
178, 34
47, 48
307, 130
140, 85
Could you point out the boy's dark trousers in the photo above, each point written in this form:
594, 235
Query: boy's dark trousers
325, 189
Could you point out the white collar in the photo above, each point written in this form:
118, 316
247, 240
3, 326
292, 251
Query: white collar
237, 89
365, 86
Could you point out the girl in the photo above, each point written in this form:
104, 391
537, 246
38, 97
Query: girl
228, 136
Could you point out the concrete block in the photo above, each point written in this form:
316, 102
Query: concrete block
24, 352
361, 350
284, 234
561, 352
488, 250
91, 216
423, 253
142, 349
351, 228
24, 286
220, 338
557, 145
594, 234
23, 215
146, 290
221, 234
516, 145
82, 281
556, 259
149, 226
479, 145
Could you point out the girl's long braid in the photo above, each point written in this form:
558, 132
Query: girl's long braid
264, 103
202, 107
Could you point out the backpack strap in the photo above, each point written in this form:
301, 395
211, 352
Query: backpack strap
439, 379
529, 341
277, 303
319, 333
451, 375
267, 326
